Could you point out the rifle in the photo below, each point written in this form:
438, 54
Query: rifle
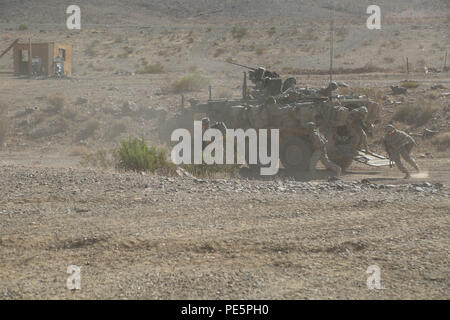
241, 65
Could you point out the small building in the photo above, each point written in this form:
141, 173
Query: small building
47, 58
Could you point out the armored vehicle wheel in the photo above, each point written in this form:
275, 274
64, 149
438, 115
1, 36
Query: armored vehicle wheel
341, 154
295, 153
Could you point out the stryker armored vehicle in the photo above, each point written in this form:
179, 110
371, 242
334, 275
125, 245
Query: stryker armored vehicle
276, 104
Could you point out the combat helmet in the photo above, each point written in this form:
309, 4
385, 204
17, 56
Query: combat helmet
390, 128
333, 85
362, 109
205, 122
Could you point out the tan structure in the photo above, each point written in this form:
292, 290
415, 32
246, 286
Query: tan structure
45, 57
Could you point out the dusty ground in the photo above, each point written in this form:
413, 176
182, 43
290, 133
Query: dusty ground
148, 236
144, 236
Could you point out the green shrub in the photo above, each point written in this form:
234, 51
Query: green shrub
136, 155
23, 27
189, 83
218, 52
156, 68
410, 84
414, 114
259, 51
238, 32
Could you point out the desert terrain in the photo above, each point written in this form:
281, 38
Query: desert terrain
143, 235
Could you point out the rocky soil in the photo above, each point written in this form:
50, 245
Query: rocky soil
141, 236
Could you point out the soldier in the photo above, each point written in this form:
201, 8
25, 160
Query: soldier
356, 123
319, 150
327, 91
399, 144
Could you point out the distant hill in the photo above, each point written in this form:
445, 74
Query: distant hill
143, 11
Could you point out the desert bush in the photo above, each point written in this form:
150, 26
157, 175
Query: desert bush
189, 83
442, 141
156, 68
218, 52
238, 32
259, 51
271, 31
23, 27
389, 59
134, 154
410, 84
414, 114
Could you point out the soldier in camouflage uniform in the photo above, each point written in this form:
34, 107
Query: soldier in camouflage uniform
398, 145
327, 91
318, 143
356, 124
